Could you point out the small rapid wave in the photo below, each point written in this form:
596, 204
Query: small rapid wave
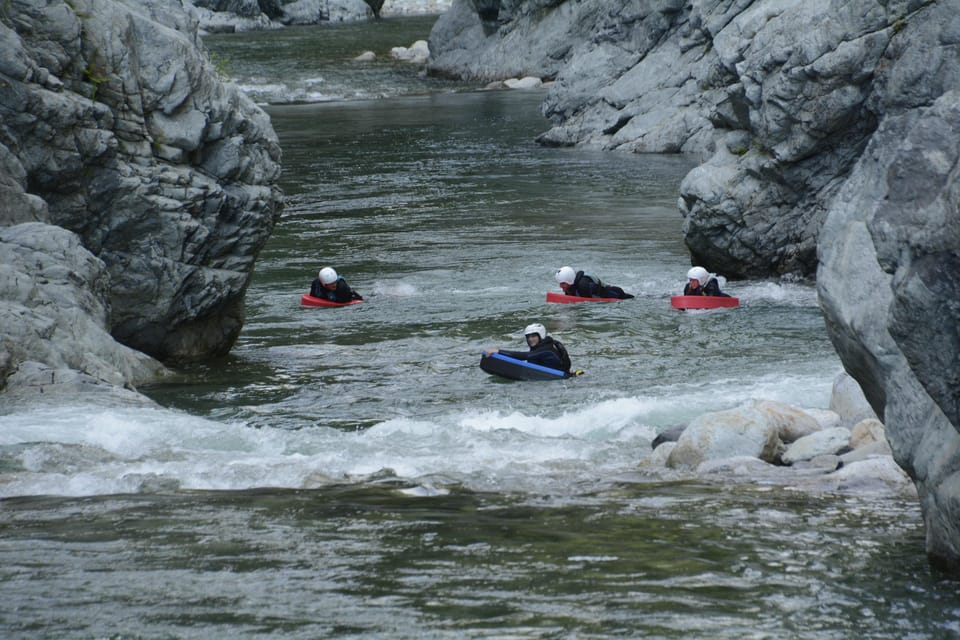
88, 450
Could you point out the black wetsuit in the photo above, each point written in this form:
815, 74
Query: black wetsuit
547, 353
343, 292
587, 286
712, 288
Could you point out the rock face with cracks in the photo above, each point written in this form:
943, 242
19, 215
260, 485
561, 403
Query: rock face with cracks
137, 189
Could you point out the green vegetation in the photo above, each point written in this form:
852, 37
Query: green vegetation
760, 146
94, 77
157, 140
221, 64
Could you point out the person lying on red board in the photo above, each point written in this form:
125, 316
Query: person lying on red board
330, 286
583, 285
702, 283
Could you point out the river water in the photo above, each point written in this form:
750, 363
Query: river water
351, 473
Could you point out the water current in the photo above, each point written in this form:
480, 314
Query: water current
351, 473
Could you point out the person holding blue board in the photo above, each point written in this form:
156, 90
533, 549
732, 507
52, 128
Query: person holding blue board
545, 353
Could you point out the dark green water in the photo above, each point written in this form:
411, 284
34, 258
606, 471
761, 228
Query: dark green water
351, 473
636, 560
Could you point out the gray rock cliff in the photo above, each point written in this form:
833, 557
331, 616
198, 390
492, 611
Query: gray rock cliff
117, 130
228, 16
888, 284
829, 134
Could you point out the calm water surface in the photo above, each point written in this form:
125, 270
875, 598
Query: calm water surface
351, 473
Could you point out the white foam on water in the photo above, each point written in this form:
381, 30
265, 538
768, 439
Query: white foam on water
94, 450
89, 450
266, 93
781, 293
395, 289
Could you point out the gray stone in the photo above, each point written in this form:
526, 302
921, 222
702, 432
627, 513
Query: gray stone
823, 462
738, 466
791, 423
738, 432
871, 450
528, 82
825, 442
670, 434
849, 402
891, 318
826, 418
228, 16
659, 457
868, 432
117, 243
875, 476
184, 130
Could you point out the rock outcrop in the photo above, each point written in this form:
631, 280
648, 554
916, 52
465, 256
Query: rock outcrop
230, 16
888, 284
55, 314
117, 130
830, 139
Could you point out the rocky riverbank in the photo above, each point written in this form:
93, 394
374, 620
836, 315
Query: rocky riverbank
230, 16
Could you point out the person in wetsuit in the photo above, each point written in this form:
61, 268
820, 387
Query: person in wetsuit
330, 286
578, 283
544, 350
700, 282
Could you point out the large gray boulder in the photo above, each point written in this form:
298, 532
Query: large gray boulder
720, 435
55, 315
494, 40
117, 128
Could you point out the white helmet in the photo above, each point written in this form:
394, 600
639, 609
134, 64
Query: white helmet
328, 275
536, 328
699, 274
566, 275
